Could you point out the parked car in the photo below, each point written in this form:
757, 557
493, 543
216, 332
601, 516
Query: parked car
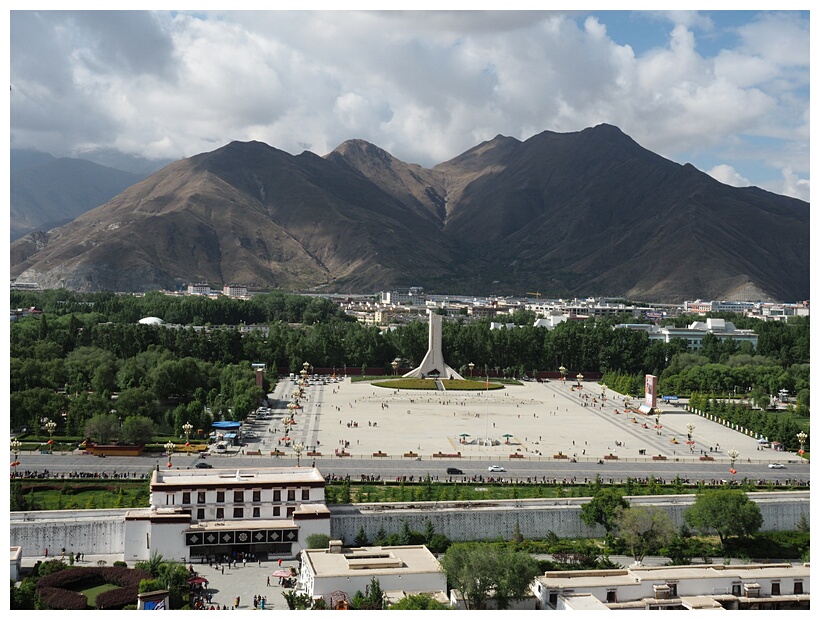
495, 468
777, 466
203, 465
454, 470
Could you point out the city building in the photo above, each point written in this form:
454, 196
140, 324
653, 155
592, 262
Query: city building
337, 573
707, 586
413, 296
693, 335
235, 290
205, 512
199, 289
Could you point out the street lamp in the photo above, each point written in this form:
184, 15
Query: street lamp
580, 378
395, 365
801, 439
297, 448
563, 372
690, 429
733, 454
187, 428
169, 448
15, 450
658, 426
471, 366
603, 391
50, 426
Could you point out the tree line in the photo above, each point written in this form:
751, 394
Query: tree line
67, 363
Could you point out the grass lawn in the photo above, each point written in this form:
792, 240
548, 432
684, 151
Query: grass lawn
93, 593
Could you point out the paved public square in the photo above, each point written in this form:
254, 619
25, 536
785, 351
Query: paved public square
536, 420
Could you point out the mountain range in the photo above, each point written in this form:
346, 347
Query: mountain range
582, 213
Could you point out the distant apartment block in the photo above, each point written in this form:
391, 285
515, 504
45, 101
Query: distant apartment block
199, 289
413, 296
693, 335
235, 290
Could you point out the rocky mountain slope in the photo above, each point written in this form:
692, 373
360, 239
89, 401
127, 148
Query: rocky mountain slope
589, 213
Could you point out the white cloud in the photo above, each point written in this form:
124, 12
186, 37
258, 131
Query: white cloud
728, 175
423, 85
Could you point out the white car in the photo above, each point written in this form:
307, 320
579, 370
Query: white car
495, 468
777, 466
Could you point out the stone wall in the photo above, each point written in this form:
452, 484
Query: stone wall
488, 520
103, 531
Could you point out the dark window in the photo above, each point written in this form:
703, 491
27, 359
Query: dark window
775, 588
736, 589
277, 496
673, 589
257, 496
200, 513
220, 513
238, 513
291, 495
305, 494
798, 587
256, 511
611, 596
220, 497
290, 511
186, 497
200, 497
238, 496
553, 598
277, 511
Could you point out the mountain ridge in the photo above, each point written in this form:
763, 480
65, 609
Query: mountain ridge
588, 212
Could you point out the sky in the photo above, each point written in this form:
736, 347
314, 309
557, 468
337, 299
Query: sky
727, 91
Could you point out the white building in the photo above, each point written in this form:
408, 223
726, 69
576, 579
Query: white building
708, 586
693, 335
199, 289
235, 290
337, 573
201, 512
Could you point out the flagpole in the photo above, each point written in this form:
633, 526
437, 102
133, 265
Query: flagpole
487, 412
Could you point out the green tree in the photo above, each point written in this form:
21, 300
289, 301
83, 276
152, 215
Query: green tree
373, 598
419, 602
137, 429
726, 512
318, 541
603, 509
645, 529
479, 569
102, 428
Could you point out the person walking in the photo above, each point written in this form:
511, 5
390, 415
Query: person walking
268, 584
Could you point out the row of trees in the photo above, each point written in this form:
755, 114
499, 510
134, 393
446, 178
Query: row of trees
85, 348
647, 530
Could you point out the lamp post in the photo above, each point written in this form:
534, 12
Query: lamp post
733, 454
690, 429
15, 450
395, 365
169, 448
603, 391
801, 439
50, 426
658, 426
187, 428
471, 366
580, 378
563, 372
297, 448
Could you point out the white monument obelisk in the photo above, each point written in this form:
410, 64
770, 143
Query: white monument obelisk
433, 362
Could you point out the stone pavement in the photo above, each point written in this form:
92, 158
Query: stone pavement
536, 420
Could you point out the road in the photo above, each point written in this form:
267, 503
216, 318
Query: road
389, 469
